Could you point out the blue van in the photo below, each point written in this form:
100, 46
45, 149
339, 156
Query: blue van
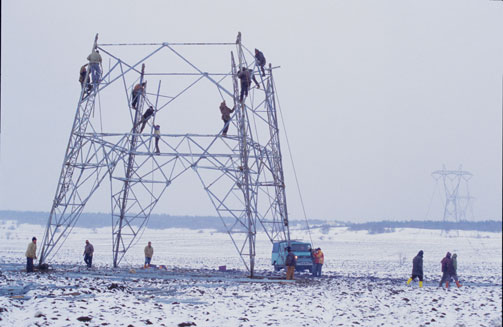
302, 251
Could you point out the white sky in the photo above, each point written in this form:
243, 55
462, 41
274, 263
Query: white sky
376, 95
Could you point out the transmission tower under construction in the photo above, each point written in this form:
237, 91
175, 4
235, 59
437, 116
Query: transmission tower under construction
242, 171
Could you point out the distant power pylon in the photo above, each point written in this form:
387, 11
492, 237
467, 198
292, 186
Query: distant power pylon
242, 172
457, 193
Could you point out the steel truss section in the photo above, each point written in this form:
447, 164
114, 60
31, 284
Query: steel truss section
242, 172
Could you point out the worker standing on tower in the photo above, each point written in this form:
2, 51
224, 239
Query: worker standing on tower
226, 116
260, 59
417, 269
95, 66
245, 79
136, 94
157, 136
245, 75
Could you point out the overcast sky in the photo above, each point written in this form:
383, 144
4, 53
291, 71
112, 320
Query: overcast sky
376, 95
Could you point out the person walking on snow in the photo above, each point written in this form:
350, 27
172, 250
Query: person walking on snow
95, 66
454, 269
260, 59
149, 252
290, 263
417, 269
31, 253
446, 270
88, 254
226, 116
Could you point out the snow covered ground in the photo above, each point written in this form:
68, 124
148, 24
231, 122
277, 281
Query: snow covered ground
363, 283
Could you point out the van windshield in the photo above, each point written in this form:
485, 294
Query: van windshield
300, 247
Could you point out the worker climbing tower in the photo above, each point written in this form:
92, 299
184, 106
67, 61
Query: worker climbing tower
112, 141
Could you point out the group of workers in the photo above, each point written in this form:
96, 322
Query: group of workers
291, 261
31, 254
449, 263
246, 75
449, 269
88, 81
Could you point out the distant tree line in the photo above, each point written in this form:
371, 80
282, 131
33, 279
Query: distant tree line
390, 226
160, 221
97, 220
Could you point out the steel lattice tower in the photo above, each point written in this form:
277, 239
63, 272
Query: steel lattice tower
456, 199
242, 173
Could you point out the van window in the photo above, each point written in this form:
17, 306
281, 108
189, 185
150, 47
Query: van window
300, 247
275, 247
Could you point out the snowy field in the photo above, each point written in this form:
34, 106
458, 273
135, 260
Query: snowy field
363, 282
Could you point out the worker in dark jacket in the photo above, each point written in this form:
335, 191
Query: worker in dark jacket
88, 254
417, 269
245, 75
446, 270
290, 263
149, 113
245, 78
226, 116
85, 82
260, 59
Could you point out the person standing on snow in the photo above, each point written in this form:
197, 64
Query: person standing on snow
417, 269
88, 254
31, 253
149, 253
319, 258
290, 263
